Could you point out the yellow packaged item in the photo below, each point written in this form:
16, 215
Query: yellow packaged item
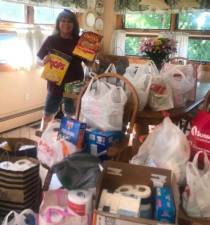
57, 66
88, 45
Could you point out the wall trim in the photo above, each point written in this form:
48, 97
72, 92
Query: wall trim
20, 114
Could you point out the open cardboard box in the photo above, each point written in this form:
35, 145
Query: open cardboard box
116, 174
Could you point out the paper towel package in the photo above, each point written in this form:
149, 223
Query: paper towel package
116, 174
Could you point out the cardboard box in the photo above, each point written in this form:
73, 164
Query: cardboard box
116, 174
73, 131
99, 141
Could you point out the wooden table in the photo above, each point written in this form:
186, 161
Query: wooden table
149, 117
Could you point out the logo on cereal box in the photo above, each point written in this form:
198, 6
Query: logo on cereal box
56, 64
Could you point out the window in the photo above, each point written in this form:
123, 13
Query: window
46, 15
199, 49
5, 40
194, 20
196, 23
147, 21
12, 12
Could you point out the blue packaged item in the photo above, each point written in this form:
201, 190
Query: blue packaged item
73, 131
165, 210
99, 141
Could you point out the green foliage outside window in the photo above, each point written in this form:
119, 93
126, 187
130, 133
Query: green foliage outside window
10, 11
199, 49
147, 21
194, 20
45, 15
132, 45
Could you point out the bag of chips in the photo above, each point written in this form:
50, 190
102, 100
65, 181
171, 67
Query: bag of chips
56, 68
88, 45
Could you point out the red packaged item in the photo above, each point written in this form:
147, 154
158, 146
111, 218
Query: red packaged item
199, 136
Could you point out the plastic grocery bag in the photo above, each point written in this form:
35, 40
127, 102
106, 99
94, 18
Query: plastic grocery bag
166, 147
160, 95
185, 85
51, 150
103, 106
199, 136
196, 198
26, 217
181, 80
140, 77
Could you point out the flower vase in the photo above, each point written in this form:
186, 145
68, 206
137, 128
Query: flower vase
157, 58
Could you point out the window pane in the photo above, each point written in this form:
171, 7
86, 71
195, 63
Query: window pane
194, 21
147, 21
5, 40
45, 15
132, 45
199, 49
12, 12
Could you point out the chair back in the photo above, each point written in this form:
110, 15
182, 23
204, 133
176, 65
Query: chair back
206, 105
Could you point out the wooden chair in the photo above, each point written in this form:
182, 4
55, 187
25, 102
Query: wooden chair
131, 109
206, 104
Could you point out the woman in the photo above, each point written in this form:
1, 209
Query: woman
64, 40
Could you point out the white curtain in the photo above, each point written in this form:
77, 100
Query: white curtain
118, 42
182, 42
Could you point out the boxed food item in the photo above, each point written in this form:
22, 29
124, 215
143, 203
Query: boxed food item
88, 45
56, 68
116, 174
99, 141
73, 131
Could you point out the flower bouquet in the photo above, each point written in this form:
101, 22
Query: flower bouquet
158, 49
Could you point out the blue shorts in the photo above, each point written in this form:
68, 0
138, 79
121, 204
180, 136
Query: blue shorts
53, 103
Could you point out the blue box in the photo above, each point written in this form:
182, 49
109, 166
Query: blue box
73, 131
99, 141
165, 210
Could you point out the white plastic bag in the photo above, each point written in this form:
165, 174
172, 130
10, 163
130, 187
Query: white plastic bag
166, 147
182, 82
160, 95
196, 198
140, 78
188, 80
51, 150
103, 106
26, 217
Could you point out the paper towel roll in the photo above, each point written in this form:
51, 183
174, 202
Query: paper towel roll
142, 191
80, 201
125, 189
23, 164
7, 165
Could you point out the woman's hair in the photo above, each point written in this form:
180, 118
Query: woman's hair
72, 17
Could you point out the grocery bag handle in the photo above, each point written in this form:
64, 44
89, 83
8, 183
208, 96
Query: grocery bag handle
5, 221
206, 160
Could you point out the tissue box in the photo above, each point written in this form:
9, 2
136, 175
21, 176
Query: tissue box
73, 131
165, 209
99, 141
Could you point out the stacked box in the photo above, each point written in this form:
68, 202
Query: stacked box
99, 141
